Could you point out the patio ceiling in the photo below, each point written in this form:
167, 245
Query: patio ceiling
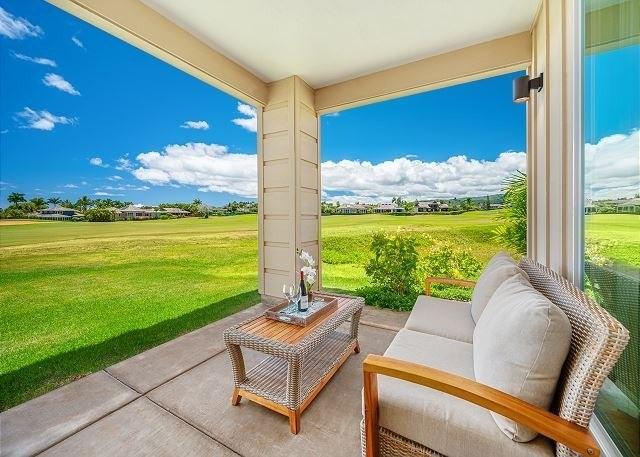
332, 41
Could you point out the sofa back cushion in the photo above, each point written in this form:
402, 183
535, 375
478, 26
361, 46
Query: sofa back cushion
500, 268
597, 341
519, 346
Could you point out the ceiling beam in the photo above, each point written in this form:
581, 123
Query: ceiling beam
482, 60
145, 28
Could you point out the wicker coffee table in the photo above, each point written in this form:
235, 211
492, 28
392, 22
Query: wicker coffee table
301, 359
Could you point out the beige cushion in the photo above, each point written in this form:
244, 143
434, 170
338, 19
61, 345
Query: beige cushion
501, 256
519, 346
448, 318
441, 422
499, 268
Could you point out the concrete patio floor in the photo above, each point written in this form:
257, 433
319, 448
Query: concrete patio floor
174, 399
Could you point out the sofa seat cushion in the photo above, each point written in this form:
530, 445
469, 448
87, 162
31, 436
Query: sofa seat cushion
439, 421
519, 346
500, 268
447, 318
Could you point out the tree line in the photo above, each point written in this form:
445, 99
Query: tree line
21, 207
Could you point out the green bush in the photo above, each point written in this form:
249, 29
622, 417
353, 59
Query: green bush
384, 298
399, 263
445, 260
99, 215
394, 263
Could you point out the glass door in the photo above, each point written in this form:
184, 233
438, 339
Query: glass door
611, 160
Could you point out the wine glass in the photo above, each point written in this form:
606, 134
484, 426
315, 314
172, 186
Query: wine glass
296, 295
287, 292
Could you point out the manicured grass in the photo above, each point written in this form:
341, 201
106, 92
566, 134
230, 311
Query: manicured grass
108, 291
77, 297
618, 236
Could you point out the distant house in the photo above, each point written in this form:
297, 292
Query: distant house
59, 213
176, 212
352, 209
132, 212
631, 206
388, 208
495, 206
432, 206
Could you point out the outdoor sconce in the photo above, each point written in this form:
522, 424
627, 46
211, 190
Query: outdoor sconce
523, 85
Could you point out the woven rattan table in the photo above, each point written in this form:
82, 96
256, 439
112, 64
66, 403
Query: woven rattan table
301, 359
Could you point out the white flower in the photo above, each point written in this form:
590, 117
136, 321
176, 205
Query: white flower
309, 274
307, 258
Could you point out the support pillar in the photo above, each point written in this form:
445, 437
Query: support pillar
288, 184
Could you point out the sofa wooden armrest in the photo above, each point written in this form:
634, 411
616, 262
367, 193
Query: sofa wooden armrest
454, 282
560, 430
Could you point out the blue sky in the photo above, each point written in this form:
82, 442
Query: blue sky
83, 113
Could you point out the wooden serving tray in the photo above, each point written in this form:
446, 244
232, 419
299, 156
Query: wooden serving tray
301, 319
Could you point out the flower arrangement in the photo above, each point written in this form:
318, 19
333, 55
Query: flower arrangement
309, 270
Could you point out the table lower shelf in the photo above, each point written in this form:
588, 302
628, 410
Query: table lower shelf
268, 379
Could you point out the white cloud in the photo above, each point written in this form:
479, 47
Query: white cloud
124, 164
210, 167
84, 183
107, 194
57, 81
124, 187
77, 42
42, 120
38, 60
17, 28
197, 125
115, 178
250, 122
612, 166
458, 176
4, 131
98, 162
70, 186
336, 114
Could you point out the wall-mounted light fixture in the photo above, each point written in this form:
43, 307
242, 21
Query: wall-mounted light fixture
523, 85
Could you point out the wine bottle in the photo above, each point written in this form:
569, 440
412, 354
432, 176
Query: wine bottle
303, 304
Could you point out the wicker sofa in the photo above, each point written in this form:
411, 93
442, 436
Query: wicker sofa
422, 398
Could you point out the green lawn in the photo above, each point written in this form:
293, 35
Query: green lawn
77, 297
617, 235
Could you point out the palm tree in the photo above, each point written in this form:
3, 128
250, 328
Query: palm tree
15, 198
66, 203
83, 203
54, 200
513, 231
39, 203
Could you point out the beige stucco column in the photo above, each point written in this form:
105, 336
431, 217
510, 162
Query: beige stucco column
288, 183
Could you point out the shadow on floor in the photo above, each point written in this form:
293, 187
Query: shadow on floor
36, 379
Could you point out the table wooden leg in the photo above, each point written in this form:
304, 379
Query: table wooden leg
236, 397
356, 349
294, 421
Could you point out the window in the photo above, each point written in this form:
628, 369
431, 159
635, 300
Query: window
611, 59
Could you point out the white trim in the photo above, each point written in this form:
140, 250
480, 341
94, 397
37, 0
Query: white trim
607, 446
576, 167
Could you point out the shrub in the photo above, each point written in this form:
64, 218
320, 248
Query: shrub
445, 260
385, 298
394, 263
13, 213
99, 215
